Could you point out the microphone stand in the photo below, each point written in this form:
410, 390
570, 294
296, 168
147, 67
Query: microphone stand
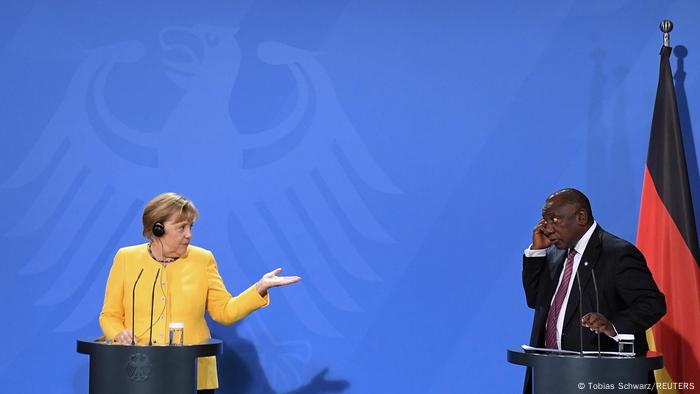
597, 306
580, 311
133, 300
153, 295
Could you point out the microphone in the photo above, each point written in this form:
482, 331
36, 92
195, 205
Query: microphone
580, 310
597, 306
133, 300
153, 296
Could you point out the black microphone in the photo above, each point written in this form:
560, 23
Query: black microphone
133, 300
580, 310
597, 306
153, 296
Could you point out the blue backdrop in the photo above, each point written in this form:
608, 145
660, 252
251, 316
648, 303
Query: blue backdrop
395, 154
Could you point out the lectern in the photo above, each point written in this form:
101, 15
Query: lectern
126, 369
565, 374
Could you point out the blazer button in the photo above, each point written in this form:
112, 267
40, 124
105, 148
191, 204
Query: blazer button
162, 298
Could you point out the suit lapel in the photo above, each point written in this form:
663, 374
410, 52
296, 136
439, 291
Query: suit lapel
588, 261
555, 261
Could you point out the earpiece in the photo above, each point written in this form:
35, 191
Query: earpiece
158, 229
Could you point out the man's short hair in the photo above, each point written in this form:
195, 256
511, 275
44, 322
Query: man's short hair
576, 197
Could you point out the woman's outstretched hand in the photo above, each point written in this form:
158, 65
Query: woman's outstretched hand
271, 279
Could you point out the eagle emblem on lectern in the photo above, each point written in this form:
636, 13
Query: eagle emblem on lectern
138, 368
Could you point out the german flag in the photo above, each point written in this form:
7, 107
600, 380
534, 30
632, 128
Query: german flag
668, 238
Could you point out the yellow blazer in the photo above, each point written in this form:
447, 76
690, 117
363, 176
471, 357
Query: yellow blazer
184, 289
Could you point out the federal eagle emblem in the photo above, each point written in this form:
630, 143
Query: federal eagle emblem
138, 368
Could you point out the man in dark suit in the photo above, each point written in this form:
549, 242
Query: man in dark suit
568, 241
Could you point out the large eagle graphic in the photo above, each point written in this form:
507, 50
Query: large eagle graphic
292, 189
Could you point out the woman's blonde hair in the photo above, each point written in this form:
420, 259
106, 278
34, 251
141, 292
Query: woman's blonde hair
167, 206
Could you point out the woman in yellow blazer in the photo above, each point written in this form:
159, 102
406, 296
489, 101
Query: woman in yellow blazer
188, 283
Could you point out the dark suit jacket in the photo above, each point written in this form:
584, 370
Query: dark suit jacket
627, 293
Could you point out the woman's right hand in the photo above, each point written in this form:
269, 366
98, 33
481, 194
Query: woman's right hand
124, 337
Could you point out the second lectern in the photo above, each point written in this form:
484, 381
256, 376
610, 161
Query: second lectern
565, 374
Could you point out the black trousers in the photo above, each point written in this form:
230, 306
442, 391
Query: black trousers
209, 391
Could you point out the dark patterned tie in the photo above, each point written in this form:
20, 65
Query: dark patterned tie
553, 315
